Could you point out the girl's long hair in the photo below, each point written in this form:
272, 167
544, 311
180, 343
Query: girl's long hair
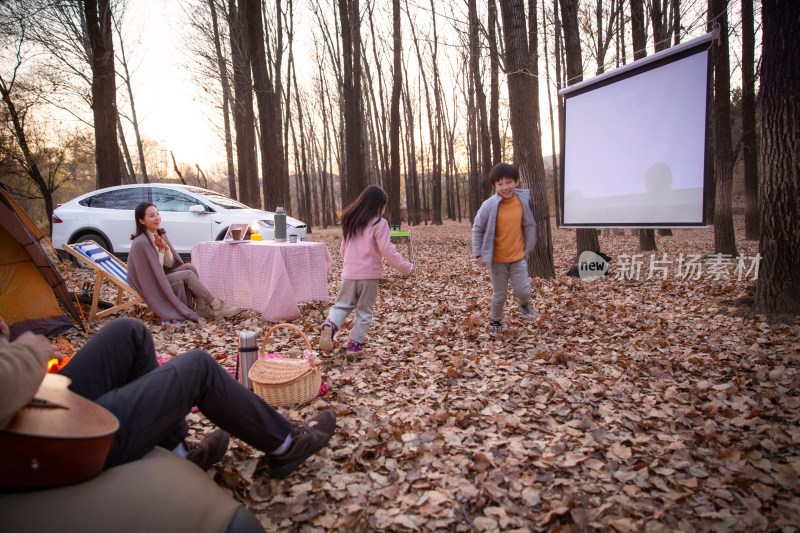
138, 213
366, 208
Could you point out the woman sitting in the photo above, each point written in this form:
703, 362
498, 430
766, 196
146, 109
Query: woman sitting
161, 278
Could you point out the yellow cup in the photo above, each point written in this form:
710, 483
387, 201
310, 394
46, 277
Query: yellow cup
255, 237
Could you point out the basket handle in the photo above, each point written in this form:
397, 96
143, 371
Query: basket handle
290, 326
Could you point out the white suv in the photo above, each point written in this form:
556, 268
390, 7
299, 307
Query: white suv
189, 214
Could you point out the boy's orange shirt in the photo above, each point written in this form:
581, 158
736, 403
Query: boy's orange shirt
509, 242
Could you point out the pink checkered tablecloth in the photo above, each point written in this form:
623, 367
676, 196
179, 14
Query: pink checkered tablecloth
271, 278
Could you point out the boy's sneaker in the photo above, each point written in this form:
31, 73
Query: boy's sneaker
496, 326
326, 333
354, 347
307, 439
209, 451
527, 312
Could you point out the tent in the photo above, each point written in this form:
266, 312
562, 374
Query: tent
29, 281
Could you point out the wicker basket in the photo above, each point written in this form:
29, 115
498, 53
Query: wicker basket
281, 382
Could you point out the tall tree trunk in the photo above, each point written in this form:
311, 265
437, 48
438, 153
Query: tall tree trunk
243, 115
710, 193
354, 143
271, 142
778, 288
226, 99
586, 239
556, 197
484, 142
126, 77
724, 238
647, 237
749, 148
104, 91
394, 125
494, 85
524, 126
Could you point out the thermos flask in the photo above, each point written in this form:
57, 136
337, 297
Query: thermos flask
248, 353
280, 225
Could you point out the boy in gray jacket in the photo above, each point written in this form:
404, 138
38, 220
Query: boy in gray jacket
503, 234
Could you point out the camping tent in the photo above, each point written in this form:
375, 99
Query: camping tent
29, 282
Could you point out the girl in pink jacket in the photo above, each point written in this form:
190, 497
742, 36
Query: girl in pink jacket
366, 238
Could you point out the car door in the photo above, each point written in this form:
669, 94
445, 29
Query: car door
184, 227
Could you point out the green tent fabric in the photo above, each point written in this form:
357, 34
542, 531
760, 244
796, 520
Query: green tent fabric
29, 282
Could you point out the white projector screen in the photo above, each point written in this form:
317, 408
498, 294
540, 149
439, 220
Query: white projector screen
634, 143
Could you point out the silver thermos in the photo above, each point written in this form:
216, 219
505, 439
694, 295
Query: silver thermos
248, 353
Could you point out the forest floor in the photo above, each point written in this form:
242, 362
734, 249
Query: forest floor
628, 404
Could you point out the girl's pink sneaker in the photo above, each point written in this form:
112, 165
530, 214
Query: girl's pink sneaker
354, 347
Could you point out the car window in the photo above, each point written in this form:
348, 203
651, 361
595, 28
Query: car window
168, 200
118, 199
224, 201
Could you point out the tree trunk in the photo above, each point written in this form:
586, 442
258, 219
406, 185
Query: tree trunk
271, 142
778, 287
494, 85
749, 148
524, 126
724, 238
243, 116
104, 91
647, 237
226, 99
710, 193
351, 54
394, 125
484, 142
556, 197
585, 239
126, 77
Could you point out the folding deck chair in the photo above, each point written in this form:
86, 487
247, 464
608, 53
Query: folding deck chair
107, 267
397, 236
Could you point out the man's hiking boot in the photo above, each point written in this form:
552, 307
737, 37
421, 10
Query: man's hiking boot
209, 451
307, 439
326, 333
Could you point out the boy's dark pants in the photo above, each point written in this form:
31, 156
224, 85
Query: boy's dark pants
517, 273
118, 369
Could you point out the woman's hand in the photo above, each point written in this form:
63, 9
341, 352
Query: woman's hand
160, 244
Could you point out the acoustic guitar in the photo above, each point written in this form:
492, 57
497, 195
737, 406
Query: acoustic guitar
59, 438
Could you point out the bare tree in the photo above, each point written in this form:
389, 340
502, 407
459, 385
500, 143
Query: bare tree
25, 158
647, 237
133, 119
243, 116
268, 102
524, 126
351, 91
394, 126
104, 91
724, 238
484, 142
222, 70
778, 288
749, 148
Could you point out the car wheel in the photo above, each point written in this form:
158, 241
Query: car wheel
90, 237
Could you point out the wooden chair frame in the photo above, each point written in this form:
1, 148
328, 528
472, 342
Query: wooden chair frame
102, 274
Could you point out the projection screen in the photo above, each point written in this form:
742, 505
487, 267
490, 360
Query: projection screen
634, 143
